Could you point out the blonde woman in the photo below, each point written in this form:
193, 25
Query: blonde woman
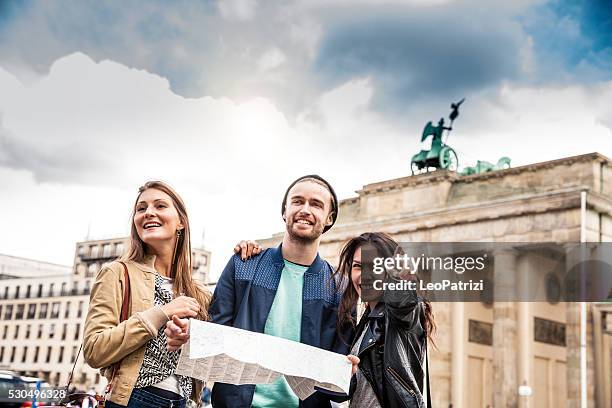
158, 263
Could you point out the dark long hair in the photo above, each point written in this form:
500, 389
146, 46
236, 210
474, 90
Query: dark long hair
181, 269
385, 246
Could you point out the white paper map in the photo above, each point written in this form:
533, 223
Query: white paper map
235, 356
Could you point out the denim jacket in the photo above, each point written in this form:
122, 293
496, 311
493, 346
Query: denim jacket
243, 298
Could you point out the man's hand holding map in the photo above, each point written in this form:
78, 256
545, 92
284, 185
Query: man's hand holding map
235, 356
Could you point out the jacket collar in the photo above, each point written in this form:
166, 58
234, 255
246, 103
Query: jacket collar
315, 268
378, 311
148, 265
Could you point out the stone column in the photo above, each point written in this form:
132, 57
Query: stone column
572, 336
525, 336
505, 386
458, 354
524, 329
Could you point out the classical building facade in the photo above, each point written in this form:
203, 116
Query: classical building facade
43, 308
486, 351
90, 255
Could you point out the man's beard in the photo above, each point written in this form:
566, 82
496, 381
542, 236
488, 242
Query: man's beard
304, 238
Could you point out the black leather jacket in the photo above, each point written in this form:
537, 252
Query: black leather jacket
392, 351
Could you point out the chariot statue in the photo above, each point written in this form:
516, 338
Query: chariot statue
440, 155
485, 166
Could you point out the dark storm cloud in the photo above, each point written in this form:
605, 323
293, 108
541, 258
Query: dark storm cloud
410, 56
411, 47
191, 43
145, 35
411, 53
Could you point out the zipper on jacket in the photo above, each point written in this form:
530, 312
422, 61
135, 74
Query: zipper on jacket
400, 380
369, 346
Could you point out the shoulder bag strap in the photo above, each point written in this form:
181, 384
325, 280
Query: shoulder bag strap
125, 306
124, 315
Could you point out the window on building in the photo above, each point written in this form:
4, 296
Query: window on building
64, 330
77, 331
60, 357
92, 269
17, 292
40, 288
36, 351
106, 251
27, 333
40, 330
42, 312
82, 250
93, 251
6, 292
0, 311
48, 359
83, 378
12, 354
80, 269
16, 332
52, 330
73, 356
55, 307
73, 291
51, 290
24, 355
87, 287
4, 332
31, 310
1, 353
118, 249
67, 311
19, 311
8, 313
80, 311
63, 292
28, 291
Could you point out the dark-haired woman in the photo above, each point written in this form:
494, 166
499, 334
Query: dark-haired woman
391, 338
140, 370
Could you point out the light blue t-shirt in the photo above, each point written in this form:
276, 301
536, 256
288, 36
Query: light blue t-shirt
284, 320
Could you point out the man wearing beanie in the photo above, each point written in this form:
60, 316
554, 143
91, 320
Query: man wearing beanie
287, 292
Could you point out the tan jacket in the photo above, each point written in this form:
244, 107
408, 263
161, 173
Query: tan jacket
106, 341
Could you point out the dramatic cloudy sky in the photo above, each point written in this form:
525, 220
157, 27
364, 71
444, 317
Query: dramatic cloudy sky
229, 101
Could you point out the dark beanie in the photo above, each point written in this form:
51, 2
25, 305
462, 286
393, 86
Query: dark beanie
329, 187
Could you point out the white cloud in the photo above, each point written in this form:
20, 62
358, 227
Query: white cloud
240, 10
271, 59
85, 136
306, 32
92, 127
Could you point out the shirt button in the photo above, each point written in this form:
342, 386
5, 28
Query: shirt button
369, 341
